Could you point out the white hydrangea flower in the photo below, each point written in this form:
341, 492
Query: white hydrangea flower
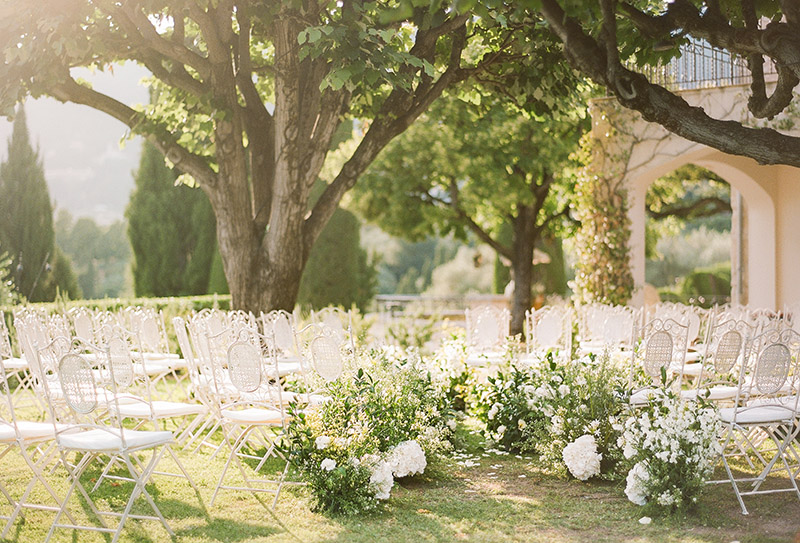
380, 475
581, 457
322, 442
407, 458
328, 464
636, 480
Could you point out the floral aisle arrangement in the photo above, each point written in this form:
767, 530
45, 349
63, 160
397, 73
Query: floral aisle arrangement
450, 373
672, 446
380, 423
567, 411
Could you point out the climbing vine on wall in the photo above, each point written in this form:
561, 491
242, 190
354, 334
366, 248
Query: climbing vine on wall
603, 269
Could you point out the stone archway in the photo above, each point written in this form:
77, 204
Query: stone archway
754, 219
767, 253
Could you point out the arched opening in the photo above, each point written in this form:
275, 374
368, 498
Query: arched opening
688, 241
753, 232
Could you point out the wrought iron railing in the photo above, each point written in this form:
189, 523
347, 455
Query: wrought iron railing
702, 66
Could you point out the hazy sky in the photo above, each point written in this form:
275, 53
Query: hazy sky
87, 171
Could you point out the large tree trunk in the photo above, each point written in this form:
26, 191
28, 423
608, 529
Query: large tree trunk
525, 238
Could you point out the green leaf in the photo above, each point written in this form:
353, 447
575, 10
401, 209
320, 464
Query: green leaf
314, 35
302, 37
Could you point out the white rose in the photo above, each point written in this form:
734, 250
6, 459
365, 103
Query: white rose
322, 442
328, 464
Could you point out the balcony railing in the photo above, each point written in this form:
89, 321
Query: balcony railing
702, 66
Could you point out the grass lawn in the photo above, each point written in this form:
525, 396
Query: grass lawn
502, 498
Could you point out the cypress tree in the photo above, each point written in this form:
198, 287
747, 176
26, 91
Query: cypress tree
26, 221
171, 229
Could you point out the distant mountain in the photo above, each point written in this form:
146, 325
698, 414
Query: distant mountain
87, 171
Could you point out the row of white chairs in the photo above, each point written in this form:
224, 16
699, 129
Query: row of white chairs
101, 404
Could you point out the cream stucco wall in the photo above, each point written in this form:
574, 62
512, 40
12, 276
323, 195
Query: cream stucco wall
771, 195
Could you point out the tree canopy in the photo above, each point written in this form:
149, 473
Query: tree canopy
250, 96
479, 169
613, 42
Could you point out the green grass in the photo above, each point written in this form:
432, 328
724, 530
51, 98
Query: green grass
502, 499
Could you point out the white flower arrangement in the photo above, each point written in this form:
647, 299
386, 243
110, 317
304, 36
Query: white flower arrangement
407, 458
674, 444
581, 457
636, 484
381, 477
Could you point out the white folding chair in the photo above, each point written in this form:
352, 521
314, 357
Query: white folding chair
34, 442
766, 405
91, 440
487, 330
548, 328
724, 348
256, 418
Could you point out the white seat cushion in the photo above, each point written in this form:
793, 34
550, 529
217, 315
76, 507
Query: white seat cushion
644, 396
160, 409
756, 415
28, 430
252, 415
690, 369
15, 364
110, 440
718, 392
488, 358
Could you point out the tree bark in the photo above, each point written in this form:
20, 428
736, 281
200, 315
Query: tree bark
525, 237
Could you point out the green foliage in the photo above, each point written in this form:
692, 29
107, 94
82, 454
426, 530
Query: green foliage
171, 229
345, 447
100, 254
681, 254
603, 271
338, 271
688, 198
26, 222
708, 286
60, 280
546, 403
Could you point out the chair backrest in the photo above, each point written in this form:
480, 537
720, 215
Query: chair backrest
661, 346
487, 327
82, 323
727, 352
773, 376
119, 358
658, 353
183, 341
77, 383
326, 356
772, 369
244, 366
281, 325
